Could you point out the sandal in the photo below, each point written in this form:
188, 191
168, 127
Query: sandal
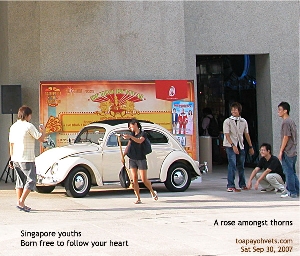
25, 209
155, 197
138, 202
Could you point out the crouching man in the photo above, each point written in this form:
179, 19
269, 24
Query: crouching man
272, 178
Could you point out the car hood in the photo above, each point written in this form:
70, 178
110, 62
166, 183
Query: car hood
49, 157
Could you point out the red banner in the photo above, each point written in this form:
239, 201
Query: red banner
171, 89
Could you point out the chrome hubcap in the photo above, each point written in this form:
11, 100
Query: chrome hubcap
80, 182
179, 177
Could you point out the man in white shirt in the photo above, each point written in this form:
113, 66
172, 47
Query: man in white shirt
234, 127
22, 136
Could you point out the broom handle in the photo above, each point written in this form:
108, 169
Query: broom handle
119, 142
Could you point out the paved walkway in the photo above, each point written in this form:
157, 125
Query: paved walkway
204, 220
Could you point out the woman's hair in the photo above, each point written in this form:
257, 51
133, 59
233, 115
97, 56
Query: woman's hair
23, 112
135, 121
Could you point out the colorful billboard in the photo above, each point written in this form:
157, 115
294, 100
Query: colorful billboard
67, 106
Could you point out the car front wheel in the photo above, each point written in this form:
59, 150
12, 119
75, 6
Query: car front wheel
44, 189
78, 182
178, 178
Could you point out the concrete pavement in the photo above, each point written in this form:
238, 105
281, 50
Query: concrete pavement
204, 220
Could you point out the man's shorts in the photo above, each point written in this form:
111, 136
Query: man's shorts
138, 164
26, 175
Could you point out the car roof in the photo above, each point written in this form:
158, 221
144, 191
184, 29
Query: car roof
122, 123
114, 122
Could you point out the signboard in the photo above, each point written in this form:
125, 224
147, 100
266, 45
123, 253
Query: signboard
67, 106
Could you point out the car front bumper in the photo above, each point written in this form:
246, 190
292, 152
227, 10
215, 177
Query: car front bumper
203, 168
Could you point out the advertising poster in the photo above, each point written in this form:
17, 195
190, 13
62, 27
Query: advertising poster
66, 107
183, 121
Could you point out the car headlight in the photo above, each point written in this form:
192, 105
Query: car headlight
54, 168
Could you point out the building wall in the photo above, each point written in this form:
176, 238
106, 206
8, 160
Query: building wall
125, 40
3, 43
267, 29
264, 100
5, 120
112, 40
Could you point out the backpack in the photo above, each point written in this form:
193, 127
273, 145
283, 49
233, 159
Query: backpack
146, 147
213, 127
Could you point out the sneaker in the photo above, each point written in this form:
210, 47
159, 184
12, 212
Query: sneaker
233, 190
280, 191
244, 188
284, 194
294, 196
267, 190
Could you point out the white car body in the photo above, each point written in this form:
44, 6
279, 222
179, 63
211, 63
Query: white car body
98, 162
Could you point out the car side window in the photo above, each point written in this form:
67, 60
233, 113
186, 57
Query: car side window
91, 134
156, 137
112, 140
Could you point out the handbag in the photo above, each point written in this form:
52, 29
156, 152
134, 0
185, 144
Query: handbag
124, 178
146, 147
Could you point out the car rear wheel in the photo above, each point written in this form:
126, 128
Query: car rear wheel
45, 189
178, 178
78, 182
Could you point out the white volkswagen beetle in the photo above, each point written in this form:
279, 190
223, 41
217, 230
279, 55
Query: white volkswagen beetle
95, 159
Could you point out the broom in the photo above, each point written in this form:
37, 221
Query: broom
123, 160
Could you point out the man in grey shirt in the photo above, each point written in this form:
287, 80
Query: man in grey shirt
288, 150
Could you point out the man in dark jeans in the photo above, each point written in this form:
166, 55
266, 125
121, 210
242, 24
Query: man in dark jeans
234, 128
288, 150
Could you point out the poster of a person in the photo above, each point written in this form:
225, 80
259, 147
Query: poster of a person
182, 123
182, 120
190, 123
174, 121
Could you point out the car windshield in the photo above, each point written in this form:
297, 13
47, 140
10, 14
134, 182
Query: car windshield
91, 134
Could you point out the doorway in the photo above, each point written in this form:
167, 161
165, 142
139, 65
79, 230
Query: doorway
222, 80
